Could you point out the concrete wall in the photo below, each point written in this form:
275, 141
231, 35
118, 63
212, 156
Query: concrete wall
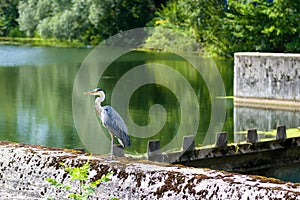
23, 170
267, 75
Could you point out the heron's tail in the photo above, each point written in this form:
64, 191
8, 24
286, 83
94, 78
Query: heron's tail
125, 140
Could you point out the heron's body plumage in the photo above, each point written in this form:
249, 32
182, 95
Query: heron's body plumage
114, 123
111, 120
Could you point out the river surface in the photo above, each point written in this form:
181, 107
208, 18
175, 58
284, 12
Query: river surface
36, 87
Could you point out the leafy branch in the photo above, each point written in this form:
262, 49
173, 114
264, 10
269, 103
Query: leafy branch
86, 188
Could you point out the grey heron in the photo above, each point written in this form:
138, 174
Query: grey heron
111, 119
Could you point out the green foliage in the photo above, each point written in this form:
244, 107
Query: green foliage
171, 33
263, 26
27, 19
8, 15
193, 19
87, 21
80, 174
222, 29
109, 17
163, 39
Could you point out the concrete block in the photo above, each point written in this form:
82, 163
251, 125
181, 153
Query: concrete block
221, 139
188, 143
281, 133
252, 136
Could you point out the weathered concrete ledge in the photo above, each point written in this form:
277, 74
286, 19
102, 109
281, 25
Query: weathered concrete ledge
24, 169
267, 79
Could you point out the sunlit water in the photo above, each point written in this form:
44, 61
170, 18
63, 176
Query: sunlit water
36, 96
36, 85
36, 88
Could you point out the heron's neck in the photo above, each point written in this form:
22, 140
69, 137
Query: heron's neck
99, 100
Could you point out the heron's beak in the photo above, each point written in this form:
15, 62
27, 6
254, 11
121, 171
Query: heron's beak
90, 92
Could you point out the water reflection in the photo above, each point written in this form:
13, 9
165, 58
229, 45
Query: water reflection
36, 96
263, 120
36, 86
170, 91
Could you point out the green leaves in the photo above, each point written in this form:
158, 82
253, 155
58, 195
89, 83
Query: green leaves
239, 25
194, 19
58, 184
263, 26
104, 178
80, 174
87, 21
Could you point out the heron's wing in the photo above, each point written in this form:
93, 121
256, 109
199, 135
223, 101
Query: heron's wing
115, 124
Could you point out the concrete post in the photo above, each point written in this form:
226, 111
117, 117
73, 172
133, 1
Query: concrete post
188, 143
281, 133
221, 139
252, 136
153, 151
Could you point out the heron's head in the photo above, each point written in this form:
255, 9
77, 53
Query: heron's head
96, 92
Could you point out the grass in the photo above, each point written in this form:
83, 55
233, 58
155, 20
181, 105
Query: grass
38, 42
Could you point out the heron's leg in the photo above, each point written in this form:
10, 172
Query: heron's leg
112, 145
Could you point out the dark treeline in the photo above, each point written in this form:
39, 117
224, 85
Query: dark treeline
221, 27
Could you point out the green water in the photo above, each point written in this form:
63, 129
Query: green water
36, 88
36, 96
36, 85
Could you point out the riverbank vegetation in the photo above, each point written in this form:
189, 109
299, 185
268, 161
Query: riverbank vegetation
26, 41
220, 27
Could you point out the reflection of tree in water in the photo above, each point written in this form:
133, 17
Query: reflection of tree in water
38, 104
38, 98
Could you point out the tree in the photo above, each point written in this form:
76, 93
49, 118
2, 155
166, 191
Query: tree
27, 16
88, 21
8, 15
238, 25
195, 19
68, 23
110, 17
263, 26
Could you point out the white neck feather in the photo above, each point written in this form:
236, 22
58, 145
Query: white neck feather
100, 99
